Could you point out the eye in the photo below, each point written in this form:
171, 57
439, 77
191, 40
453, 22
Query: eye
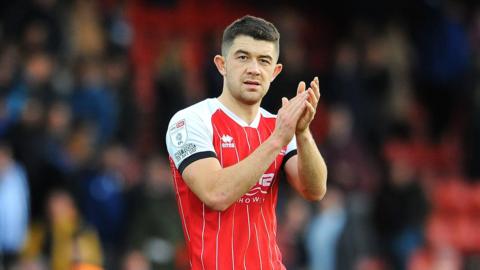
265, 61
242, 57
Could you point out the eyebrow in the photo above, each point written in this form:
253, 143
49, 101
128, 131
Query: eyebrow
240, 51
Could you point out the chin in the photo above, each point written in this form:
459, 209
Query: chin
251, 101
252, 97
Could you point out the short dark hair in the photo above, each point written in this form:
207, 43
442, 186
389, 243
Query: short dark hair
251, 26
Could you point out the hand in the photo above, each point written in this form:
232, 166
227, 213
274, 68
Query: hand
311, 104
288, 116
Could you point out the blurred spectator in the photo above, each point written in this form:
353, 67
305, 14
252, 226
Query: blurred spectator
119, 27
400, 212
14, 206
93, 101
350, 164
87, 35
399, 57
63, 240
35, 82
135, 260
442, 71
58, 129
355, 176
118, 72
376, 79
9, 67
103, 203
155, 229
81, 148
325, 230
357, 246
291, 233
35, 23
26, 137
345, 81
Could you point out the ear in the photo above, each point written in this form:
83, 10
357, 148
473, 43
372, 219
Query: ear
277, 70
220, 64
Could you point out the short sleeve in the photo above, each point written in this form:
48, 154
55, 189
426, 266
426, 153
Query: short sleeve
290, 151
189, 138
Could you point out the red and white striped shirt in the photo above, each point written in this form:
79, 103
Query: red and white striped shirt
244, 235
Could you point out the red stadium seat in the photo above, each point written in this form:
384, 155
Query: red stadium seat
475, 200
451, 197
463, 234
438, 231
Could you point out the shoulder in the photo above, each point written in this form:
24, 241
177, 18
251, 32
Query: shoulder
191, 122
190, 132
197, 114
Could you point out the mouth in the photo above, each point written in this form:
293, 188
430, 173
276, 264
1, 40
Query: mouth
251, 83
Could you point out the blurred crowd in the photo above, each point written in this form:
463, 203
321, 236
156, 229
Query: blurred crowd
87, 88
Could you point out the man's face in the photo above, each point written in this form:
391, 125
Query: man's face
250, 66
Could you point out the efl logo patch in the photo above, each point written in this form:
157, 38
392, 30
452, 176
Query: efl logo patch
178, 133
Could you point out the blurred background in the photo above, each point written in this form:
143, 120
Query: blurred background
87, 89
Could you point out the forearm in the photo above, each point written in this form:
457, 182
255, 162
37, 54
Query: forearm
231, 183
312, 170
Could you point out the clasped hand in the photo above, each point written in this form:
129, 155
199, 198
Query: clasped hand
296, 114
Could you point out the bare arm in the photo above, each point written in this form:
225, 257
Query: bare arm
307, 171
220, 187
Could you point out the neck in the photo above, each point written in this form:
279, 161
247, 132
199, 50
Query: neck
247, 112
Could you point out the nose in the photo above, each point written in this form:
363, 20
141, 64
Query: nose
253, 68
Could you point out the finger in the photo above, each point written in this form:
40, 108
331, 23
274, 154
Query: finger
289, 107
297, 110
316, 87
298, 99
310, 108
318, 94
301, 87
308, 113
299, 113
312, 98
296, 106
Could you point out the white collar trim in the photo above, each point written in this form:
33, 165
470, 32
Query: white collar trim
237, 119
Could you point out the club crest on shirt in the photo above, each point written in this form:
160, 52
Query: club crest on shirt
227, 141
178, 133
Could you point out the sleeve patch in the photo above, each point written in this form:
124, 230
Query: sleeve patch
178, 133
187, 150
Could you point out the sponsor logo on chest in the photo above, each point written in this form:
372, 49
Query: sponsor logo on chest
258, 192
